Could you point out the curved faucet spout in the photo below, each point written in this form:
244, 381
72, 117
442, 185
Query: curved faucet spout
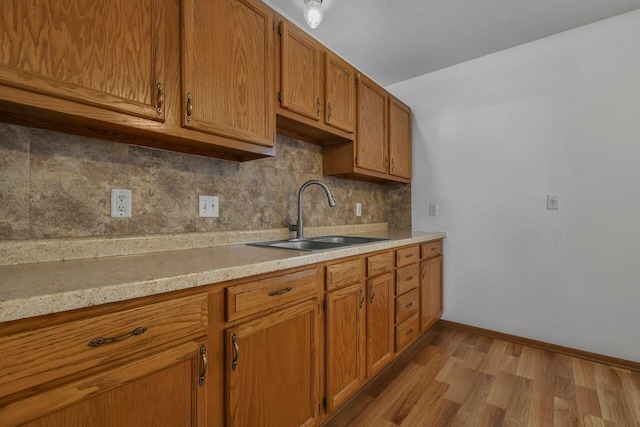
299, 227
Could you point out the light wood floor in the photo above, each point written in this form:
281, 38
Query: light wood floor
455, 378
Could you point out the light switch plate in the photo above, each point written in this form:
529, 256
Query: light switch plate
358, 209
433, 209
208, 206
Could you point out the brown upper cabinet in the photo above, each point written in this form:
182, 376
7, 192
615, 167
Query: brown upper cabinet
106, 54
399, 139
116, 69
227, 59
382, 147
315, 88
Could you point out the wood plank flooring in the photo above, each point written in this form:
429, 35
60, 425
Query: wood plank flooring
455, 378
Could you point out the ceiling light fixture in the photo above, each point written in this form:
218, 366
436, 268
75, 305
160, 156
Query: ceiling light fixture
313, 12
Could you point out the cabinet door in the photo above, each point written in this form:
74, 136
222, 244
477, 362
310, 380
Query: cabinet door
158, 390
371, 126
339, 93
300, 72
399, 138
271, 369
430, 292
104, 53
227, 69
379, 323
345, 344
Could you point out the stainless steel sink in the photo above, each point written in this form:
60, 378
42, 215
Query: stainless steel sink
317, 244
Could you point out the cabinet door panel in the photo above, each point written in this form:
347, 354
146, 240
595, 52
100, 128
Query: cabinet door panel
430, 292
105, 53
379, 323
274, 379
345, 344
399, 139
227, 69
371, 127
162, 389
339, 93
300, 72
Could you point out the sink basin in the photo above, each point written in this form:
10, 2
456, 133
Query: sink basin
317, 244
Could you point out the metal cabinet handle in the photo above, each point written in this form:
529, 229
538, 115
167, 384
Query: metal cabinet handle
318, 106
373, 294
393, 166
424, 272
361, 297
281, 291
408, 278
234, 363
329, 111
408, 256
203, 356
160, 98
408, 305
189, 107
97, 342
409, 332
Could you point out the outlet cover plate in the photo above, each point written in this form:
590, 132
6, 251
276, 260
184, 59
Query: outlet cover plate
553, 202
120, 203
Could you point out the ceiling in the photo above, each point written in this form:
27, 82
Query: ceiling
394, 40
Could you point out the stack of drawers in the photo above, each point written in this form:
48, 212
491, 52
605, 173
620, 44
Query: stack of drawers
407, 296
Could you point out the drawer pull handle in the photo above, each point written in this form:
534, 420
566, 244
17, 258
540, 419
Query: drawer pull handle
281, 291
160, 98
361, 297
189, 107
424, 272
408, 256
203, 355
318, 107
97, 342
329, 116
234, 363
408, 278
409, 332
373, 294
433, 248
408, 305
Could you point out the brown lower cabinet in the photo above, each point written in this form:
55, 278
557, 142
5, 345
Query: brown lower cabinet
271, 350
270, 367
345, 343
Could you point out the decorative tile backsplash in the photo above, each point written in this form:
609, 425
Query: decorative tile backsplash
56, 185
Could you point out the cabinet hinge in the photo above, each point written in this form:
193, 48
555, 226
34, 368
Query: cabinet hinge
324, 402
324, 305
273, 24
357, 79
274, 137
280, 96
280, 28
356, 160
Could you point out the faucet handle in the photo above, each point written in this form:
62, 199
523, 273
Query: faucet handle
291, 227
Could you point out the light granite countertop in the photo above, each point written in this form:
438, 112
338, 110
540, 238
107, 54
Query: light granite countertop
30, 290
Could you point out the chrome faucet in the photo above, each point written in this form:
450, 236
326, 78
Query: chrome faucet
299, 227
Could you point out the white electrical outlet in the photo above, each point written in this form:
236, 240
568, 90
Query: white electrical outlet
358, 209
433, 209
208, 206
120, 203
553, 201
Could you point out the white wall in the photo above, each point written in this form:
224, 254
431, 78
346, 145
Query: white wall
491, 138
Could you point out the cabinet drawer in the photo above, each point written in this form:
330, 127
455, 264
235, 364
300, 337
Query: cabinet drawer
407, 278
407, 305
254, 297
380, 263
344, 274
45, 354
407, 332
406, 256
431, 249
